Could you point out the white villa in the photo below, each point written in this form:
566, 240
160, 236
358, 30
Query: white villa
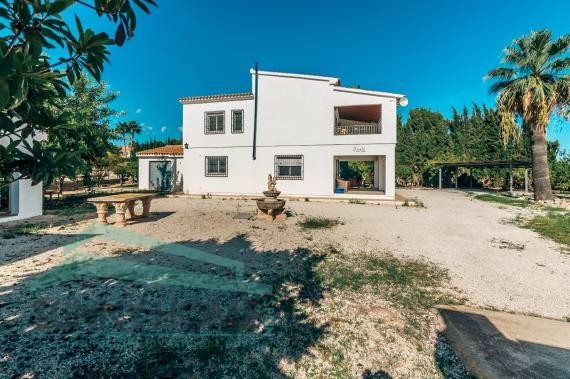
303, 129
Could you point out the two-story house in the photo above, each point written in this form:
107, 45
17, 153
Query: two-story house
306, 130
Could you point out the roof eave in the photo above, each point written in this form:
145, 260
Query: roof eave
359, 91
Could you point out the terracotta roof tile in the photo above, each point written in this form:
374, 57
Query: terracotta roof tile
214, 98
164, 150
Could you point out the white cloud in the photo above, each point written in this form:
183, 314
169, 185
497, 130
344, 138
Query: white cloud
179, 128
149, 127
163, 129
139, 110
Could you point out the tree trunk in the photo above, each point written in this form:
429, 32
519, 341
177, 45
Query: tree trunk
540, 171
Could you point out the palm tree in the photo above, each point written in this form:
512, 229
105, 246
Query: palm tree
133, 129
123, 129
533, 85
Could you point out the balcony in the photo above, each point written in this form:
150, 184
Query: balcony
347, 130
357, 120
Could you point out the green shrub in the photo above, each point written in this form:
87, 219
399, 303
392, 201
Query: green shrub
318, 223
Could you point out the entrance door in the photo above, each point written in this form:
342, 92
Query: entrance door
160, 176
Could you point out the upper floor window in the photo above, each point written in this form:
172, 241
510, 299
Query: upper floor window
214, 122
237, 121
216, 166
289, 166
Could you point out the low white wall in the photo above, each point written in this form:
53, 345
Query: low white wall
25, 200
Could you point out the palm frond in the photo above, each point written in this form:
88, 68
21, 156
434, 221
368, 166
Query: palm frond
560, 46
501, 73
560, 64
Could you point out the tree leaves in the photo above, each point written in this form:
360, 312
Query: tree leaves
31, 82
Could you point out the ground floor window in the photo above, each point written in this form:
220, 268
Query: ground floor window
289, 167
216, 166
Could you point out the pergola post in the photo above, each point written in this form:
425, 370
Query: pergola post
457, 178
440, 177
511, 178
526, 181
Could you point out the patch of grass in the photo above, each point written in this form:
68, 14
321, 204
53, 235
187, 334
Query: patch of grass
506, 200
21, 230
553, 225
411, 285
318, 223
307, 199
69, 209
356, 201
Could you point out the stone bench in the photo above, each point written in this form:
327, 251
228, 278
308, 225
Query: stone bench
122, 203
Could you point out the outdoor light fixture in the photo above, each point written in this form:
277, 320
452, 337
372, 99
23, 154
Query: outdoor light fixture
186, 145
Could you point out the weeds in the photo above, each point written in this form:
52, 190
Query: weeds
318, 223
505, 244
21, 230
505, 200
414, 203
413, 286
553, 225
356, 201
69, 209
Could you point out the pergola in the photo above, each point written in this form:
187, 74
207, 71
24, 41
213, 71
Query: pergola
487, 164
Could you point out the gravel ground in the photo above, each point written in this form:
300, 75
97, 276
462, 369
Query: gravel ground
492, 263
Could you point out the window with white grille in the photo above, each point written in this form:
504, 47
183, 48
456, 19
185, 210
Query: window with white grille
216, 166
214, 122
289, 167
237, 121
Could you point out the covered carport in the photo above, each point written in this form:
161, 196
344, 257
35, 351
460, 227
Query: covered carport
470, 165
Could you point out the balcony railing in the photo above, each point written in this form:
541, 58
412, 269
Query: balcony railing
347, 130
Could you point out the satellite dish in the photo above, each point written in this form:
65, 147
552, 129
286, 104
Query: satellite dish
403, 101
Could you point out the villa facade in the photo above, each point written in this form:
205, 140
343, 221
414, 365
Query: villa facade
303, 129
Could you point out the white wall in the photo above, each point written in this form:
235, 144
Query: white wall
295, 116
246, 176
25, 200
144, 169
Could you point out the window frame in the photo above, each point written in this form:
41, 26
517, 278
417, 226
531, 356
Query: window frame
207, 122
289, 156
215, 175
234, 111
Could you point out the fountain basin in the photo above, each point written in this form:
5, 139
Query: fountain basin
271, 194
270, 204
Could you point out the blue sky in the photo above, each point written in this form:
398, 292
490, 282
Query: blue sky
435, 52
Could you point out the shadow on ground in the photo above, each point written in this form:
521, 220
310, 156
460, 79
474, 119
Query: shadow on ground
479, 339
200, 309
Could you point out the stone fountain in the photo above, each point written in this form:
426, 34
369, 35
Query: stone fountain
271, 208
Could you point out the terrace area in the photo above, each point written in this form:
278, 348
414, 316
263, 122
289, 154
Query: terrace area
358, 119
